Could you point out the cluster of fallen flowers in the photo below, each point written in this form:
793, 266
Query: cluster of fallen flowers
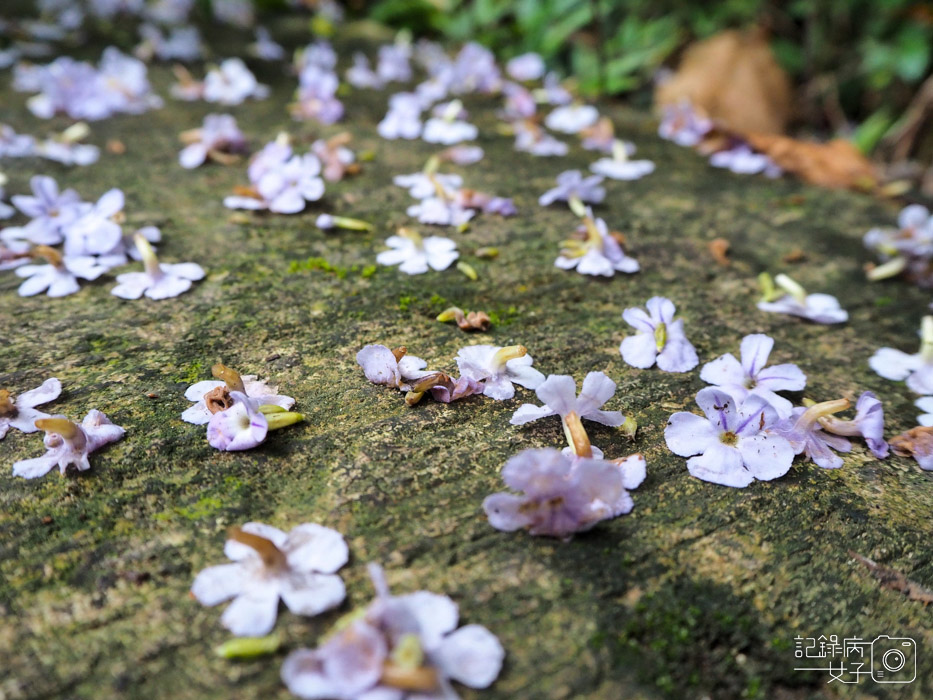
67, 443
239, 410
65, 148
906, 250
93, 243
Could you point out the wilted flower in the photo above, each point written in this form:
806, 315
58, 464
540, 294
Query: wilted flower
571, 185
752, 377
660, 339
820, 308
916, 369
601, 137
571, 119
599, 253
19, 411
212, 396
217, 139
803, 429
868, 423
414, 254
683, 125
917, 443
69, 444
337, 159
398, 648
735, 446
159, 280
60, 275
299, 568
498, 368
239, 427
394, 368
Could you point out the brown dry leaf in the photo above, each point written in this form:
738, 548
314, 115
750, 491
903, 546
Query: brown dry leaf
733, 79
835, 164
895, 580
719, 249
916, 441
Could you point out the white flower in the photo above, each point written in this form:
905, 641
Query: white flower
571, 119
660, 339
239, 427
288, 187
69, 444
422, 185
231, 83
219, 134
819, 308
528, 66
415, 255
598, 254
19, 412
440, 211
498, 368
448, 132
95, 232
392, 368
559, 394
619, 167
159, 280
60, 276
298, 567
917, 369
199, 413
925, 403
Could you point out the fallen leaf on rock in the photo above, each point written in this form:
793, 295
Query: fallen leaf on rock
719, 249
835, 164
733, 79
895, 580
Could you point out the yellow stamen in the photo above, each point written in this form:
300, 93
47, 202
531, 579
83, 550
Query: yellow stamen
576, 435
511, 352
61, 426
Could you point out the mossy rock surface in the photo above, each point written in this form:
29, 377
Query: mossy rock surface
698, 593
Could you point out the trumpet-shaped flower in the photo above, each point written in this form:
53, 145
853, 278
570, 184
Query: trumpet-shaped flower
299, 568
231, 83
819, 308
571, 119
571, 185
394, 368
49, 209
868, 423
158, 280
734, 445
751, 376
69, 443
498, 368
803, 429
211, 396
415, 255
19, 411
620, 166
558, 393
95, 231
217, 138
60, 276
598, 254
917, 369
239, 427
660, 339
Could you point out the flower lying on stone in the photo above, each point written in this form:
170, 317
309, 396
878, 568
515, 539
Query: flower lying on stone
752, 377
498, 368
868, 424
803, 429
238, 427
219, 139
212, 396
69, 443
531, 138
660, 339
561, 494
601, 137
599, 253
405, 647
917, 443
299, 568
60, 275
462, 155
741, 159
403, 120
620, 167
907, 249
337, 160
316, 97
13, 253
472, 321
819, 308
96, 229
231, 83
571, 186
916, 369
527, 66
159, 280
19, 411
280, 181
49, 209
683, 125
735, 445
571, 119
414, 254
265, 47
925, 404
440, 211
394, 368
424, 185
449, 128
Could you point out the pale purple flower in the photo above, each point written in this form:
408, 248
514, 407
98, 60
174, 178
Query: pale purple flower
361, 75
265, 47
917, 369
393, 63
532, 139
571, 119
519, 102
60, 277
49, 210
741, 159
13, 145
183, 43
819, 308
751, 376
69, 443
414, 254
558, 393
527, 66
735, 446
660, 339
169, 12
683, 125
448, 131
316, 96
272, 157
239, 427
498, 368
67, 86
95, 231
218, 134
231, 83
404, 647
395, 369
456, 389
572, 185
320, 54
68, 153
158, 280
13, 253
335, 157
286, 189
560, 495
598, 254
553, 92
803, 429
463, 155
299, 568
125, 84
400, 124
474, 70
423, 185
868, 423
19, 411
925, 403
239, 13
620, 167
440, 211
264, 395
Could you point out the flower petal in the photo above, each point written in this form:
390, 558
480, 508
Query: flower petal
471, 655
688, 434
311, 594
766, 456
313, 547
251, 615
215, 584
720, 464
49, 390
639, 350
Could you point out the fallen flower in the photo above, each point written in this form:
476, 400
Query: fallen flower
414, 254
219, 139
571, 119
682, 124
526, 67
498, 368
327, 222
159, 280
211, 396
571, 185
734, 446
660, 339
398, 648
427, 184
239, 427
394, 368
95, 230
917, 443
19, 411
69, 443
917, 369
803, 429
231, 83
49, 209
620, 167
337, 160
599, 253
925, 404
60, 275
742, 160
751, 376
299, 568
868, 423
472, 321
819, 308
